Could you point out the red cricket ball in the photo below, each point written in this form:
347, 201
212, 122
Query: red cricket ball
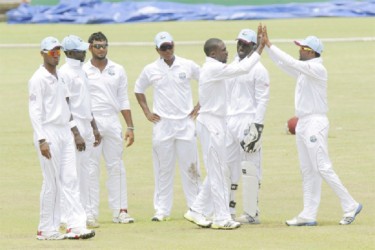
292, 123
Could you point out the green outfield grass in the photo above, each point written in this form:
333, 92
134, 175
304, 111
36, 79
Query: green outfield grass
351, 91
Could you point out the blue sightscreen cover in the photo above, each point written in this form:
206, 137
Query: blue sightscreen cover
96, 11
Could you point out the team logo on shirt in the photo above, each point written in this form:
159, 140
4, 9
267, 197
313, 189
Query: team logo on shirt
313, 138
182, 75
111, 72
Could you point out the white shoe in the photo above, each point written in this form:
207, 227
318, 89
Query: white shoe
248, 219
92, 222
123, 218
298, 221
348, 218
79, 233
50, 236
226, 225
197, 218
160, 217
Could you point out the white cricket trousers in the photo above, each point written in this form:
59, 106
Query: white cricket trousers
315, 165
212, 132
111, 147
83, 166
174, 139
59, 177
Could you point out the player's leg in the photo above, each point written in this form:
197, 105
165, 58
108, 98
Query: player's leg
116, 183
76, 216
92, 204
234, 173
319, 152
311, 180
217, 167
189, 169
164, 161
51, 189
251, 177
187, 155
83, 171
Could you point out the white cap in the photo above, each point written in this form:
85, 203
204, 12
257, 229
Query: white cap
73, 42
312, 42
247, 35
49, 43
163, 37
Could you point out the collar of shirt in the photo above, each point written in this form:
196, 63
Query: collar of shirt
110, 64
316, 60
210, 59
47, 74
73, 62
176, 62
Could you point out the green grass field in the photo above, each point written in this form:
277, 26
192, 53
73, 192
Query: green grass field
352, 141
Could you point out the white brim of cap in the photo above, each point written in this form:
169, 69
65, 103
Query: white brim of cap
300, 43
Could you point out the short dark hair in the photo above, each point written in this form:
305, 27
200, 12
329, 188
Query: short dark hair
211, 45
98, 36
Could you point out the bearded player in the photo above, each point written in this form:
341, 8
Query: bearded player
247, 98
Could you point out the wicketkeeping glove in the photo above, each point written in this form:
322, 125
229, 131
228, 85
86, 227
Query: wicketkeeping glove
252, 140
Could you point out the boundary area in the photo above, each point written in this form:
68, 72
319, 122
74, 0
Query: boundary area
135, 44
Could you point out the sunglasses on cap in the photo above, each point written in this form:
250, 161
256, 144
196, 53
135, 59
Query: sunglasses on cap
166, 47
100, 46
53, 53
306, 49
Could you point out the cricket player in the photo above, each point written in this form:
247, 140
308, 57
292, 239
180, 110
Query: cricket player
211, 128
174, 135
247, 98
108, 87
75, 79
312, 129
53, 139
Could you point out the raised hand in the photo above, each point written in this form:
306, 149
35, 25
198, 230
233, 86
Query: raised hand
265, 36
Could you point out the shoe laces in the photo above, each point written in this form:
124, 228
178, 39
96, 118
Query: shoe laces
348, 220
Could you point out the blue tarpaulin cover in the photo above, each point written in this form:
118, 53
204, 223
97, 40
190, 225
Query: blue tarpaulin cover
96, 11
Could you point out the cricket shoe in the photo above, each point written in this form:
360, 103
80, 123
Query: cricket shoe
92, 222
248, 219
123, 218
298, 221
79, 233
226, 225
50, 236
197, 219
350, 217
160, 217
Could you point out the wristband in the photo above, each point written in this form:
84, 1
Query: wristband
40, 144
130, 128
72, 123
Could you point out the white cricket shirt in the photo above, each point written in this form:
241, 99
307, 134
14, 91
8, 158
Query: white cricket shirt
311, 88
108, 89
172, 86
47, 102
249, 93
212, 89
76, 81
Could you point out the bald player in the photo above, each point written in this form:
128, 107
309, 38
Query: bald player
211, 128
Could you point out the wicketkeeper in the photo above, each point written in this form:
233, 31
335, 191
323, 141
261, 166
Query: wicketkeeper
247, 98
